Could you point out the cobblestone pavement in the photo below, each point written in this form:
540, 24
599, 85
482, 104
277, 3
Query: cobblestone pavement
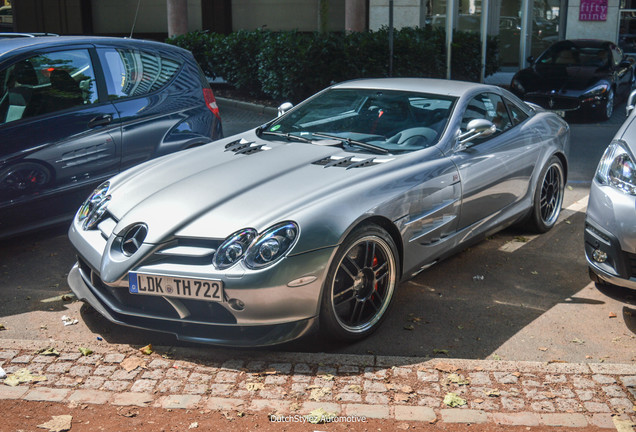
502, 392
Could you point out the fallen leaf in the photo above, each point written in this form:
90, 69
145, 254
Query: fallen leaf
2, 327
543, 349
319, 415
193, 425
401, 397
577, 341
49, 352
59, 423
445, 367
327, 377
549, 395
457, 379
318, 393
478, 401
85, 351
612, 315
147, 350
534, 272
452, 400
254, 386
570, 187
492, 393
23, 376
409, 327
354, 388
403, 426
129, 412
132, 363
406, 389
496, 357
521, 239
441, 351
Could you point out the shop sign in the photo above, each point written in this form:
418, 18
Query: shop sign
593, 10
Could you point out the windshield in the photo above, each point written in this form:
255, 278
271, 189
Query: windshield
393, 121
572, 55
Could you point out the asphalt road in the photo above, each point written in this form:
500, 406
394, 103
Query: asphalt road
512, 296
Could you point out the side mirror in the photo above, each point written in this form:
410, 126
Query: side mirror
282, 109
530, 59
631, 103
478, 128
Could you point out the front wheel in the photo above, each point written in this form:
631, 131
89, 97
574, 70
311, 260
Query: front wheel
608, 108
548, 196
360, 284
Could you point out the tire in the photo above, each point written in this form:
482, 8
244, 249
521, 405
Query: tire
548, 196
608, 107
360, 284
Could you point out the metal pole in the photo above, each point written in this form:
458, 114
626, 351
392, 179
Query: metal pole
450, 18
485, 11
390, 38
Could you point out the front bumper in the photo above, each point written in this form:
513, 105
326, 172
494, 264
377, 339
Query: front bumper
611, 234
273, 310
566, 103
189, 330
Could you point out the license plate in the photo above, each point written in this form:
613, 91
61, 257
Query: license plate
169, 286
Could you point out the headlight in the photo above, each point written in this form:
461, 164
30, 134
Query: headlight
272, 245
516, 85
617, 169
233, 248
597, 90
94, 207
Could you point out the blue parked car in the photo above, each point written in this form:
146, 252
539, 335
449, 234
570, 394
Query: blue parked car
74, 111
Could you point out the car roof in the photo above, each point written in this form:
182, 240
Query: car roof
13, 45
420, 85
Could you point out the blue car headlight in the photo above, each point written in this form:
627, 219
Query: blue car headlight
94, 207
233, 248
617, 169
271, 245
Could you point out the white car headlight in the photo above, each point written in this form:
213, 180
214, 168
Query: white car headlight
272, 245
233, 248
94, 207
617, 168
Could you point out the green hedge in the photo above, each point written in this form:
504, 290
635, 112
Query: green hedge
293, 65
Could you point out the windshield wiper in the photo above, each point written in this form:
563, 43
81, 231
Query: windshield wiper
353, 142
289, 136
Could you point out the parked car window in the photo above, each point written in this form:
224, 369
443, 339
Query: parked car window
517, 115
132, 73
46, 83
487, 106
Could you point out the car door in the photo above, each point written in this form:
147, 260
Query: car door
494, 171
59, 139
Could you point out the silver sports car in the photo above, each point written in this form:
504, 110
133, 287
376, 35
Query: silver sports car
313, 219
610, 232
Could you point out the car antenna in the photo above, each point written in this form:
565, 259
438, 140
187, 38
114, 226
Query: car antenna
135, 20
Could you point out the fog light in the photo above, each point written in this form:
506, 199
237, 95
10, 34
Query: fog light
599, 256
236, 304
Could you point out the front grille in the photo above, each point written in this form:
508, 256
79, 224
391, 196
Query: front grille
553, 102
631, 261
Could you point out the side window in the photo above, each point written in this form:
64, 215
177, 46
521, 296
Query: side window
46, 83
131, 73
487, 106
617, 55
517, 115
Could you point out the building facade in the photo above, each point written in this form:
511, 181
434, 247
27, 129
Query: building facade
524, 27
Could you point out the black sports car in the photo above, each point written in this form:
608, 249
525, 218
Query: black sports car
583, 74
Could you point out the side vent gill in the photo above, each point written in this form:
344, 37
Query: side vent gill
245, 147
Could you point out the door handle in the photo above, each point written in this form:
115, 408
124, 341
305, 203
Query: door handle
102, 120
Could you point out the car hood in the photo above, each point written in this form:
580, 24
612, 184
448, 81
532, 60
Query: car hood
213, 191
545, 78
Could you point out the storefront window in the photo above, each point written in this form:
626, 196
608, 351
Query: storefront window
627, 26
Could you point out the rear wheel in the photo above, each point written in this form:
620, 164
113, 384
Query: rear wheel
548, 196
360, 284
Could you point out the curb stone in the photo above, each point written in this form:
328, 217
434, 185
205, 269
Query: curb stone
397, 388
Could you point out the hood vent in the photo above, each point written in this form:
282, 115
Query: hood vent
245, 147
348, 162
